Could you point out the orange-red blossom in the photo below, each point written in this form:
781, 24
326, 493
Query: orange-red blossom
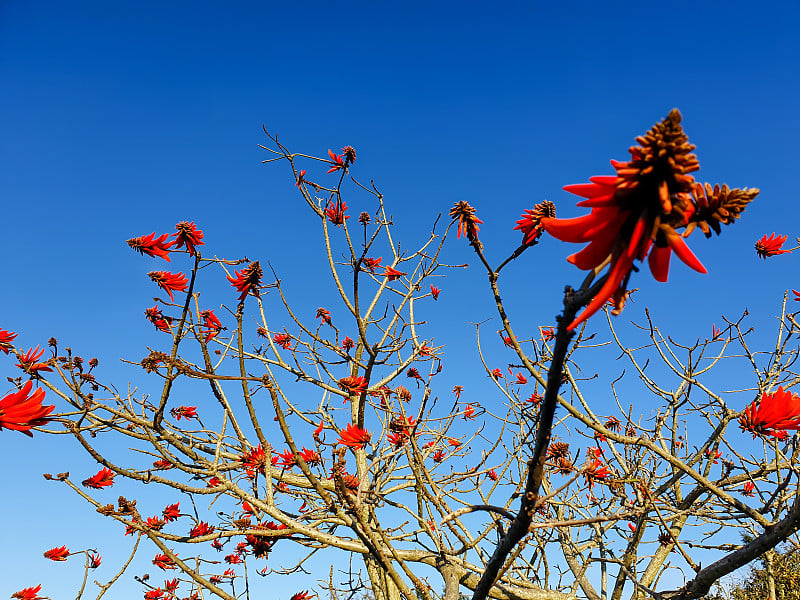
21, 410
354, 437
774, 414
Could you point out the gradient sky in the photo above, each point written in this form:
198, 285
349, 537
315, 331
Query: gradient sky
123, 118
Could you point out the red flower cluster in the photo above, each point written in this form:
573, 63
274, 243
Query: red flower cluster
6, 337
103, 478
187, 412
164, 562
337, 160
776, 413
158, 320
169, 282
172, 512
348, 344
21, 410
284, 340
467, 220
202, 528
392, 274
211, 323
335, 212
371, 263
771, 246
30, 593
248, 280
354, 385
354, 437
27, 362
636, 213
595, 471
324, 314
59, 554
188, 235
152, 246
435, 292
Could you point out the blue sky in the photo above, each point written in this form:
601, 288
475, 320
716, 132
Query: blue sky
123, 118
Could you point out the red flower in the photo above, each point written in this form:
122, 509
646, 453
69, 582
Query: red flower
94, 560
796, 295
152, 247
497, 374
172, 512
348, 344
20, 411
776, 412
103, 478
771, 246
286, 459
530, 223
521, 379
284, 340
398, 438
454, 443
392, 274
439, 456
311, 457
435, 292
160, 322
354, 437
164, 562
713, 455
248, 280
354, 386
187, 412
372, 263
335, 212
60, 553
715, 333
457, 389
300, 176
188, 235
31, 593
6, 337
467, 221
748, 489
337, 160
635, 213
594, 471
162, 464
254, 461
28, 362
469, 412
492, 475
155, 523
548, 334
302, 595
318, 430
325, 315
413, 373
233, 559
171, 585
613, 424
155, 594
211, 323
202, 528
349, 154
169, 282
425, 350
534, 399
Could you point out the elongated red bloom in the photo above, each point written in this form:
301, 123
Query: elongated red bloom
337, 160
169, 282
155, 594
467, 220
172, 512
354, 385
354, 437
59, 553
188, 235
284, 340
202, 528
300, 596
776, 412
311, 457
30, 593
21, 410
94, 560
162, 561
186, 412
211, 323
325, 315
103, 478
28, 363
159, 321
6, 337
248, 280
771, 246
371, 263
335, 212
435, 292
392, 274
636, 213
595, 471
152, 246
348, 344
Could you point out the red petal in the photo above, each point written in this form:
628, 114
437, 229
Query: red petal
659, 263
586, 190
682, 251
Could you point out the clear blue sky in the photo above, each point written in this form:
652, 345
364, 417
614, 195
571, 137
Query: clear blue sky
119, 119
